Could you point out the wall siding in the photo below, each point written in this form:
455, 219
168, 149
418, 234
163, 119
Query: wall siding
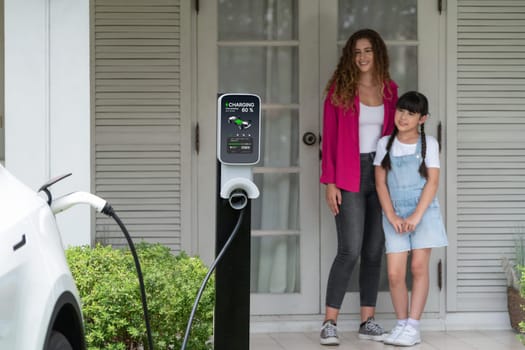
137, 124
490, 147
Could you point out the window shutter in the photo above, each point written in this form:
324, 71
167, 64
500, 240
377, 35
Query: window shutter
490, 147
136, 103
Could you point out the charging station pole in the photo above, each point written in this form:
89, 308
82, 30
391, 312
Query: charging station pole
232, 281
238, 149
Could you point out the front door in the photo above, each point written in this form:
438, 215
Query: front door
285, 51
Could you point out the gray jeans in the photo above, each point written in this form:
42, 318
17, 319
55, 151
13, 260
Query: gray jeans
359, 233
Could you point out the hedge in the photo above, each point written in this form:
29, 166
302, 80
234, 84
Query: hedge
111, 304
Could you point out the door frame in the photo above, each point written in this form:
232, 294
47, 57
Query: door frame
206, 157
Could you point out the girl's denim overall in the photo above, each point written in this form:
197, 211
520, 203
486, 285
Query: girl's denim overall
405, 185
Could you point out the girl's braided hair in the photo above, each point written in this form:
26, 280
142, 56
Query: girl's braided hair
414, 102
346, 76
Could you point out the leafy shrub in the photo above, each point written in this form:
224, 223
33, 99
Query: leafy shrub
111, 304
512, 266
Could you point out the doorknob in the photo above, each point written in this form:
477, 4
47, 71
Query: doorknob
309, 138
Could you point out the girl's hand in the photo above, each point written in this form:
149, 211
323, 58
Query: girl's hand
411, 222
398, 223
333, 198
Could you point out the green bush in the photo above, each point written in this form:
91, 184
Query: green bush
111, 304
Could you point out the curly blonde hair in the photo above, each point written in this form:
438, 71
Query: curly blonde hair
346, 76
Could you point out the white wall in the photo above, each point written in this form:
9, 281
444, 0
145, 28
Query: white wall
47, 101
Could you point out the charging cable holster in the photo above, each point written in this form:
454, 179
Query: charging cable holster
237, 185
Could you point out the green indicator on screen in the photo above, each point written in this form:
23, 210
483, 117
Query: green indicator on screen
242, 124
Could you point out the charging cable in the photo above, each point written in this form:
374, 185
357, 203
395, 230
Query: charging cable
212, 267
102, 206
108, 210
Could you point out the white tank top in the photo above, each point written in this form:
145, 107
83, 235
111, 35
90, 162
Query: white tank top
370, 126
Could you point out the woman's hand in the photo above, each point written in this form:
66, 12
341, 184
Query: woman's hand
333, 198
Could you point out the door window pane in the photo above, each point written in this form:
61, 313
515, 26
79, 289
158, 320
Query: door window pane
270, 72
404, 67
275, 264
280, 134
257, 20
393, 19
277, 207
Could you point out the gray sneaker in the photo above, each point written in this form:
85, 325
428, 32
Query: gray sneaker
329, 333
371, 330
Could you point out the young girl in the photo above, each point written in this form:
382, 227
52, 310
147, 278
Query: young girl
407, 175
359, 108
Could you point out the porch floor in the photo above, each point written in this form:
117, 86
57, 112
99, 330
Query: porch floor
447, 340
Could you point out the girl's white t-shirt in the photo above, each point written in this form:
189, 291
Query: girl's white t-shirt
403, 149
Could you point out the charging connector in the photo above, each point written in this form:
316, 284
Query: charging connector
67, 201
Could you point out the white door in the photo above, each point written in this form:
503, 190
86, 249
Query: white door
256, 48
285, 51
411, 29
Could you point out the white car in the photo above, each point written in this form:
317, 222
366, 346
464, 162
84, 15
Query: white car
39, 302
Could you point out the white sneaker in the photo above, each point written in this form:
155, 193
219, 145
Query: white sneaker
410, 336
394, 333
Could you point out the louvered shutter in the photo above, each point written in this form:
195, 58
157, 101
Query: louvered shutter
490, 147
136, 88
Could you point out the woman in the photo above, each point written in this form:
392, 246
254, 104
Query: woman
359, 109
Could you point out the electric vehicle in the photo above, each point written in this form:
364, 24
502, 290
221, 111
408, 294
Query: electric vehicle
39, 302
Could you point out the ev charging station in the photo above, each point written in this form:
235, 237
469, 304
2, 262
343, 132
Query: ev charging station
238, 150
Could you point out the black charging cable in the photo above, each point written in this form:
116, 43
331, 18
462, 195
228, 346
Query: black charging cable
108, 210
210, 271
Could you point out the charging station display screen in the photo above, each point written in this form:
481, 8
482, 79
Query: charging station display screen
239, 118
